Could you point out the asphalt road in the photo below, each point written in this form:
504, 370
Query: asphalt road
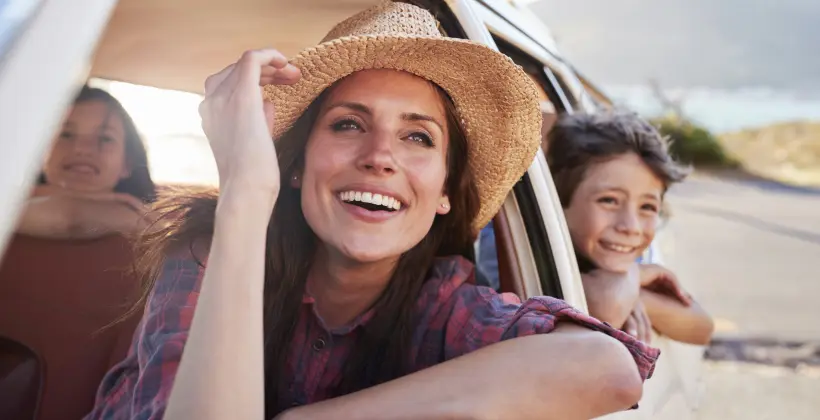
749, 251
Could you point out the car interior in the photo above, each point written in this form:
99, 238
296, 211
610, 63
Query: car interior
134, 48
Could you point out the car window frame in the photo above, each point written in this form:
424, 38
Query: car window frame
540, 189
37, 84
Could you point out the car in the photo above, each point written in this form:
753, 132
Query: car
49, 48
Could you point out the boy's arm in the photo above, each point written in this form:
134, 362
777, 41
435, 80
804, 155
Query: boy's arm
611, 296
670, 317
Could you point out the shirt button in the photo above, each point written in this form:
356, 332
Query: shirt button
319, 344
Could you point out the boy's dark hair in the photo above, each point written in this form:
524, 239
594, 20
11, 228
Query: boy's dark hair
580, 140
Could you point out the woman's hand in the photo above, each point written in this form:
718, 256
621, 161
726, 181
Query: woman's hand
638, 324
239, 122
662, 281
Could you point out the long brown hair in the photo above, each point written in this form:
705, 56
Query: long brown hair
381, 351
139, 182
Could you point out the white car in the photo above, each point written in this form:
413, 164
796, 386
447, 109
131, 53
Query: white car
48, 48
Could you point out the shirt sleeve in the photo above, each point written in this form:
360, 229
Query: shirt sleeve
138, 387
478, 316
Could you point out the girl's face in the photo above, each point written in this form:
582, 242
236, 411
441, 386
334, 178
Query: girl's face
614, 211
375, 165
89, 153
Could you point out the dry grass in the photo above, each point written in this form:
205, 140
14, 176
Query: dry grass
787, 152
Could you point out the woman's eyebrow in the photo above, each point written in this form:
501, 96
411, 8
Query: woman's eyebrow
352, 105
414, 116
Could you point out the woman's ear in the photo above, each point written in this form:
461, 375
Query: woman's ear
296, 181
443, 205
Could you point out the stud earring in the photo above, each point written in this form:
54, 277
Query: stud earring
445, 206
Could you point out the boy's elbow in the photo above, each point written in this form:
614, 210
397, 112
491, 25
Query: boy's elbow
702, 334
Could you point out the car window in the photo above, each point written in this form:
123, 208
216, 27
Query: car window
554, 102
14, 14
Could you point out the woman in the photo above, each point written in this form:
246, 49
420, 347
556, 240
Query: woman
337, 290
64, 276
611, 172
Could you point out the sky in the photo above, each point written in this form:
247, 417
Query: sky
736, 63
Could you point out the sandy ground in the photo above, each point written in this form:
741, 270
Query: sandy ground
748, 250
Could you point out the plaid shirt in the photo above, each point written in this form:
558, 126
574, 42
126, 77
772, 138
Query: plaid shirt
453, 317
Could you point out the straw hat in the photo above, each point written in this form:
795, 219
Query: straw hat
496, 101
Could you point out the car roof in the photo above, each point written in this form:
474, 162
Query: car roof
177, 44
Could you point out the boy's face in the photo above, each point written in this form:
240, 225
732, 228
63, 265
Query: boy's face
614, 212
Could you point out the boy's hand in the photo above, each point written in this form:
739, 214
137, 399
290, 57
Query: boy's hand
662, 281
638, 324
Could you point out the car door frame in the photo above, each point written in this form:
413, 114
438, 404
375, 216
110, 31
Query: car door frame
45, 64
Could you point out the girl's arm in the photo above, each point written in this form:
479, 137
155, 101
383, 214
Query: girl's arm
670, 317
65, 216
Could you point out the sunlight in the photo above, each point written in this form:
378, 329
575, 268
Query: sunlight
178, 152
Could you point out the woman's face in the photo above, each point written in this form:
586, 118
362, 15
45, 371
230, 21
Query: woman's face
614, 211
375, 165
89, 153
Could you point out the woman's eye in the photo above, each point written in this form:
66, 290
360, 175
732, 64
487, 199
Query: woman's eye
106, 139
345, 125
422, 138
66, 135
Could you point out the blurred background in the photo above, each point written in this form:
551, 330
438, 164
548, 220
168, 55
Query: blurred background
736, 85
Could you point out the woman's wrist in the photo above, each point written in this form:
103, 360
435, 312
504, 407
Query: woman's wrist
246, 197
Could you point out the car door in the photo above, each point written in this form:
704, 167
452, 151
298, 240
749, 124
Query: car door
46, 47
673, 390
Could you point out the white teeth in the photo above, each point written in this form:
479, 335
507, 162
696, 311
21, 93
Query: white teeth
618, 248
368, 197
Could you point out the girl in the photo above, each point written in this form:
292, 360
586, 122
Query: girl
95, 180
64, 276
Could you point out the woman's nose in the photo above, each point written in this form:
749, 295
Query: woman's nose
377, 155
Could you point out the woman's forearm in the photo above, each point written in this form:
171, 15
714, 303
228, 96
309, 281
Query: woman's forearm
571, 373
221, 374
688, 324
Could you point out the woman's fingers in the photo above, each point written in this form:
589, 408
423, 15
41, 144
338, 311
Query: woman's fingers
249, 66
284, 76
215, 80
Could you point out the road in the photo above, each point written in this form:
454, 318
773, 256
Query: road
748, 249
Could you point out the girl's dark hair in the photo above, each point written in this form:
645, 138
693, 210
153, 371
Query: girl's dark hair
139, 184
382, 350
578, 141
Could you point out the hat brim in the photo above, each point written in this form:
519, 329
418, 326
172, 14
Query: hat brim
497, 102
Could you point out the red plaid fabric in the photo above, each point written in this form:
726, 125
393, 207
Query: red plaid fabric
453, 318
